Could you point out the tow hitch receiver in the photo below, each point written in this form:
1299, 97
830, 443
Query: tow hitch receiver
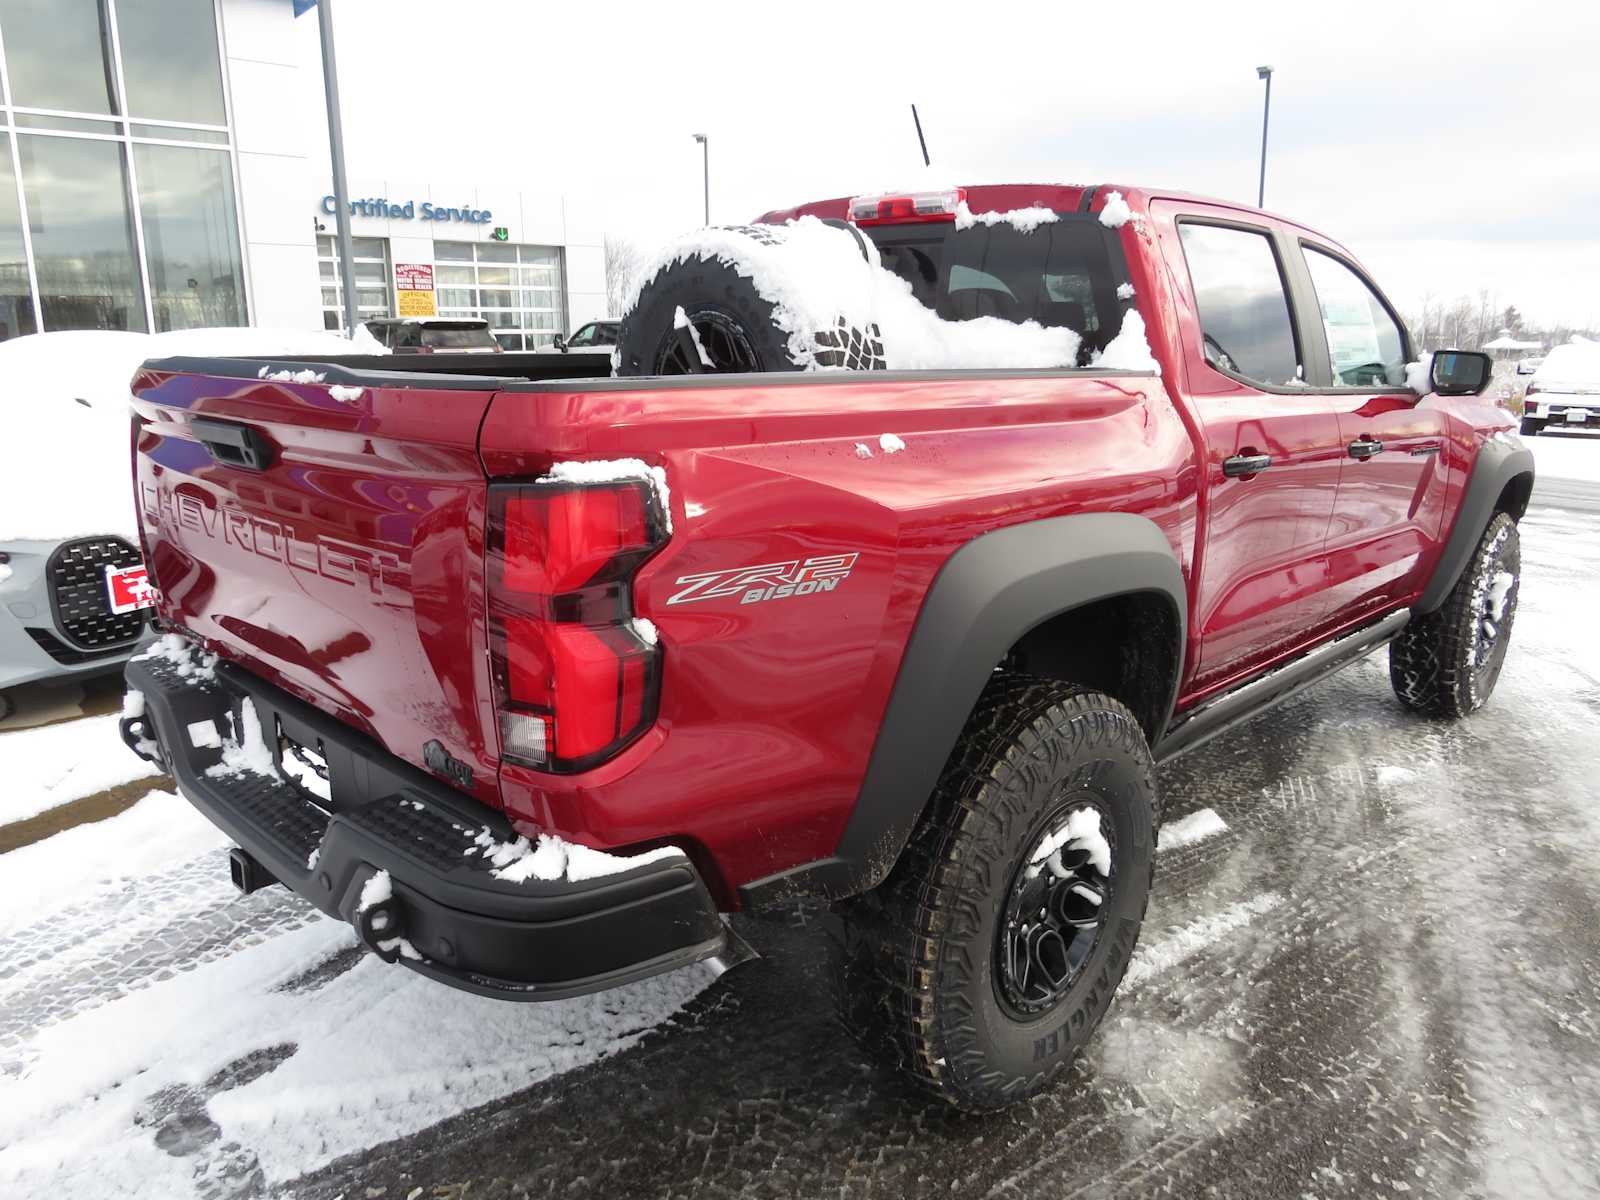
248, 875
382, 928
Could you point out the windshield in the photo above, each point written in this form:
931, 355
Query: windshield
458, 337
1061, 274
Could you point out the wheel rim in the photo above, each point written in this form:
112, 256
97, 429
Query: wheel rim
1056, 908
720, 336
1493, 619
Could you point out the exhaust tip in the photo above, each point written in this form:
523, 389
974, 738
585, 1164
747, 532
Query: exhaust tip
247, 874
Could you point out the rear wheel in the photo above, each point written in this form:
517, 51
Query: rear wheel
1446, 663
989, 955
1531, 426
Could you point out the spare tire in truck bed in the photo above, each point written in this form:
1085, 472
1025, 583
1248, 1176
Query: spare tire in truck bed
703, 310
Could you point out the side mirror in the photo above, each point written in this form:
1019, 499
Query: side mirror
1460, 372
560, 343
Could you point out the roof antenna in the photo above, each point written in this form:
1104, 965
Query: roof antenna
921, 141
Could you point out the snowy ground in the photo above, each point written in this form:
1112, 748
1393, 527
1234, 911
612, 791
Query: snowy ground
1371, 967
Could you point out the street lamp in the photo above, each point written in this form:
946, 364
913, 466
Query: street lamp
705, 160
1266, 113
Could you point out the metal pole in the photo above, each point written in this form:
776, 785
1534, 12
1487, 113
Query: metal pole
1266, 115
921, 141
705, 160
341, 189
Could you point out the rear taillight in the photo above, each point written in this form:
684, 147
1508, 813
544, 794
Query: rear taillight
1531, 389
907, 208
574, 682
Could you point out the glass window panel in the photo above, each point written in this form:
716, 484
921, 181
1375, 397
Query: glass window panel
539, 276
325, 247
16, 312
370, 247
501, 320
509, 341
453, 251
454, 275
496, 252
58, 54
191, 240
542, 255
330, 297
330, 320
540, 299
1364, 344
367, 272
82, 233
458, 297
1244, 313
67, 124
326, 268
543, 320
176, 134
495, 299
170, 64
495, 275
372, 298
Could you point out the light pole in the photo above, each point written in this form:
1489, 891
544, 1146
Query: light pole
705, 161
1266, 114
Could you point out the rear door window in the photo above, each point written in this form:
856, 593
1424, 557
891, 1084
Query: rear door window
1242, 302
458, 337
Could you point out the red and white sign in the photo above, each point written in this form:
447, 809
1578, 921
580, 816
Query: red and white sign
413, 277
128, 588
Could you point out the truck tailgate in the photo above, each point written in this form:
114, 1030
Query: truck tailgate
328, 535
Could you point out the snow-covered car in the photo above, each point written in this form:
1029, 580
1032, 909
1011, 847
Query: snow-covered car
594, 337
1527, 366
73, 600
1565, 390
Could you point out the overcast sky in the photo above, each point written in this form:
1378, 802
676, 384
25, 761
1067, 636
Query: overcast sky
1452, 146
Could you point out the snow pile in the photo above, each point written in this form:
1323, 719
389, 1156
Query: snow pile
51, 765
183, 656
1576, 364
614, 471
1196, 827
345, 394
72, 389
863, 450
1116, 212
814, 275
1081, 832
252, 755
552, 859
1419, 375
305, 375
646, 630
1499, 593
1023, 220
1125, 291
1129, 350
890, 444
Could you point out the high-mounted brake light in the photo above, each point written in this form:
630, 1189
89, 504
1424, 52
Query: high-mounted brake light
907, 208
574, 682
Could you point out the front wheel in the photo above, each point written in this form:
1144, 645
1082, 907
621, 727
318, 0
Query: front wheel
1446, 663
988, 957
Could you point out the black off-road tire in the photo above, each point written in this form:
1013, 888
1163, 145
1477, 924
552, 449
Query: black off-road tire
917, 975
1440, 665
1531, 426
735, 324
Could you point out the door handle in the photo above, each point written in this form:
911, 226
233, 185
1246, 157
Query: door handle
1365, 448
1245, 465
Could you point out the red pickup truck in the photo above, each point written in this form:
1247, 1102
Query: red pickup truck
532, 672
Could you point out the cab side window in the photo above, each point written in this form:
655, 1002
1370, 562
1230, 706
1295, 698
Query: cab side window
584, 337
1242, 302
1365, 348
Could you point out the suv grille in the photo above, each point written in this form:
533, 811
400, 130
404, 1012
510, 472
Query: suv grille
77, 576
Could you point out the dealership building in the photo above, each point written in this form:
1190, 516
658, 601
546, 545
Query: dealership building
159, 170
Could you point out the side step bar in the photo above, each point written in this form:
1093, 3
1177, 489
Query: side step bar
1261, 693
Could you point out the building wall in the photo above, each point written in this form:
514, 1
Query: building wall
275, 100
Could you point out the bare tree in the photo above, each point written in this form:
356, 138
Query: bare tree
623, 263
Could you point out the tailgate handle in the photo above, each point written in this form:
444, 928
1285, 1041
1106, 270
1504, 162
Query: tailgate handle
233, 444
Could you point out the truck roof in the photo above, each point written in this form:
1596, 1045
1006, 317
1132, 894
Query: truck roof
1061, 197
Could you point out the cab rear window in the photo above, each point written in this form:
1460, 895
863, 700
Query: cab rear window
1063, 273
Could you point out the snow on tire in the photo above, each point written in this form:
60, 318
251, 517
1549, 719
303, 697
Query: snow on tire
1446, 663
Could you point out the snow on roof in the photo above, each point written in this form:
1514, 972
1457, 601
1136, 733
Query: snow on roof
1578, 362
68, 391
1511, 343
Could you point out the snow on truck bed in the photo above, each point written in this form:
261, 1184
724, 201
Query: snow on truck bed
814, 273
64, 458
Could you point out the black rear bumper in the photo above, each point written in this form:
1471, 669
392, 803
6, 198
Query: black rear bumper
450, 917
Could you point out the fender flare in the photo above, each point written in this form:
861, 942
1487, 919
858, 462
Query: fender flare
1500, 460
988, 594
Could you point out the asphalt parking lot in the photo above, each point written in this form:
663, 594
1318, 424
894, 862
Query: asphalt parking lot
1374, 970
